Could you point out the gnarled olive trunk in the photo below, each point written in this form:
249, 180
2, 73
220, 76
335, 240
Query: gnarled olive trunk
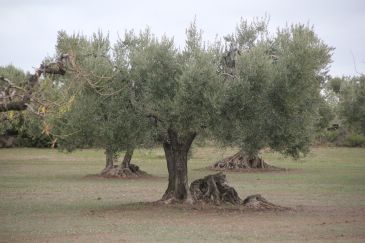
169, 193
110, 156
214, 189
127, 158
176, 152
125, 169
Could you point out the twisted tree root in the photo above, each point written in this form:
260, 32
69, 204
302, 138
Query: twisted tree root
213, 189
240, 161
120, 172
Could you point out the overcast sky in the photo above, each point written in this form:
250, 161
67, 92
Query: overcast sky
28, 28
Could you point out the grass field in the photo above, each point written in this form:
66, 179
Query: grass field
46, 196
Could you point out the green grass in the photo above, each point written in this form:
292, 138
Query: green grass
45, 196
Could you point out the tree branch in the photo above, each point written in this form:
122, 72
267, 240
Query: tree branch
57, 68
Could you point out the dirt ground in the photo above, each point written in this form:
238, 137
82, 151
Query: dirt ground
46, 196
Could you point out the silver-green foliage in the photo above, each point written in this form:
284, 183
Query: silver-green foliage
352, 103
270, 97
100, 113
300, 70
274, 98
178, 87
28, 126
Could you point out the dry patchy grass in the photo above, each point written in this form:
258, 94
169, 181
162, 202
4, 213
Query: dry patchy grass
45, 196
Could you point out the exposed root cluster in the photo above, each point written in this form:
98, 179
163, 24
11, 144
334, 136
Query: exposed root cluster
213, 189
119, 172
258, 202
241, 161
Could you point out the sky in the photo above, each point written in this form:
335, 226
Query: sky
28, 28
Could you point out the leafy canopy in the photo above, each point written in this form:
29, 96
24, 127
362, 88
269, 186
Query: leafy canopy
253, 90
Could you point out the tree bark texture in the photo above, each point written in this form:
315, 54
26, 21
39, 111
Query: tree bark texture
169, 193
127, 158
176, 153
110, 156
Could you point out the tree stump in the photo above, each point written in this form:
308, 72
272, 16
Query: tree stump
213, 189
118, 171
241, 161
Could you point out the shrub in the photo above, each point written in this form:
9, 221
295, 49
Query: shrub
355, 140
331, 136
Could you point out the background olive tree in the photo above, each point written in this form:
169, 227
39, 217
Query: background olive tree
273, 97
344, 96
99, 112
23, 104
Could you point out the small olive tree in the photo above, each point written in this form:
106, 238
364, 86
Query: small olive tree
273, 93
98, 112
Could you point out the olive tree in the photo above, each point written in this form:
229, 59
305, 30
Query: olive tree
98, 112
260, 91
180, 90
273, 95
23, 104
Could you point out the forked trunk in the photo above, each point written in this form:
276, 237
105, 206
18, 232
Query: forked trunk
176, 152
125, 169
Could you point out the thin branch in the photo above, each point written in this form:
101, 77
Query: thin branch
355, 67
229, 75
50, 68
11, 84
